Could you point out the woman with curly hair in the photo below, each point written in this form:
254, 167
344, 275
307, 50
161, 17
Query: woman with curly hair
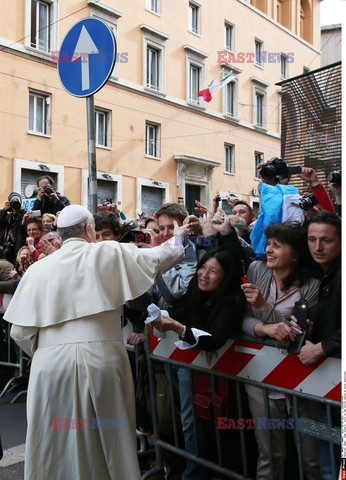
274, 285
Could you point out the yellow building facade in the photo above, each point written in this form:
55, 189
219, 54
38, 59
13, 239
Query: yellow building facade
156, 141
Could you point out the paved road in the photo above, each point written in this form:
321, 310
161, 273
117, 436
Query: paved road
13, 430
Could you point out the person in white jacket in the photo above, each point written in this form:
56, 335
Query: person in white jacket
66, 313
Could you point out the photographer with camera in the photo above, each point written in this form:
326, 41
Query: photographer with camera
48, 199
319, 195
276, 201
12, 235
334, 179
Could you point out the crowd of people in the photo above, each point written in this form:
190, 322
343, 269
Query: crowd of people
219, 286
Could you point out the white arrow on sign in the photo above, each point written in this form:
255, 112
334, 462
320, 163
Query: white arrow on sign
84, 47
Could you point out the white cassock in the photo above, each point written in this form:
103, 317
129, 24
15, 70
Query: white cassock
66, 313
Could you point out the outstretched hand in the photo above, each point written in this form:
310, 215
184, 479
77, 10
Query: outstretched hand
200, 209
193, 225
220, 222
206, 225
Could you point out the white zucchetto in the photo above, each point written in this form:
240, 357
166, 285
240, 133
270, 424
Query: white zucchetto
72, 215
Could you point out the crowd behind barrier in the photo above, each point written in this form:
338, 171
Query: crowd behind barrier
232, 451
12, 357
219, 289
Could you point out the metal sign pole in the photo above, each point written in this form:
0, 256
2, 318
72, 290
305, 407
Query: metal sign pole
92, 183
90, 38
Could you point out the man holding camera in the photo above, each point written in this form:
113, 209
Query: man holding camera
48, 199
334, 183
12, 235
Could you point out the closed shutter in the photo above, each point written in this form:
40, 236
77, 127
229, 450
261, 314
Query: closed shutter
106, 190
152, 199
311, 122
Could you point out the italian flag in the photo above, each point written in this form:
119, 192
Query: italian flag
208, 93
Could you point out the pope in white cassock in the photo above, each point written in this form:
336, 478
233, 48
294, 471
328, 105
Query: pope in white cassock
66, 313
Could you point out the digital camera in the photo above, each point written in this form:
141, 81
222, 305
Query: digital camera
334, 177
15, 205
307, 201
48, 189
276, 167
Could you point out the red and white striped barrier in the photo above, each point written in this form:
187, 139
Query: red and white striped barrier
269, 365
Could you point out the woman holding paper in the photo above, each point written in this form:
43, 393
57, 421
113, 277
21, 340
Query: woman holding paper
212, 309
206, 317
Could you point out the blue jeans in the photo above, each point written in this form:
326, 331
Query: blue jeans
180, 378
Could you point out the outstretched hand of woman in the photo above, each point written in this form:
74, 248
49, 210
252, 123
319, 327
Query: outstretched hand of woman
168, 323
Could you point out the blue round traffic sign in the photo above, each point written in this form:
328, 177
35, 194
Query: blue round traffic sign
86, 57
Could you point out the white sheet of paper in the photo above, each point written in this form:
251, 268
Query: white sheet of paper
158, 334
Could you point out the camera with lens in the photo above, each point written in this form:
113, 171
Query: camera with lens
132, 234
15, 204
48, 189
335, 177
276, 167
307, 201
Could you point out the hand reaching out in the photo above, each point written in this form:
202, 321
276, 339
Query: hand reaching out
46, 247
180, 230
193, 225
220, 222
206, 225
135, 338
200, 209
26, 217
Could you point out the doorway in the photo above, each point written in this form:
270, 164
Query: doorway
192, 193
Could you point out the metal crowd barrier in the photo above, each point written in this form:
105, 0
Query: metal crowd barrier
320, 385
21, 378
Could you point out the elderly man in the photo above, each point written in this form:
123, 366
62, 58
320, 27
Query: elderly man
80, 407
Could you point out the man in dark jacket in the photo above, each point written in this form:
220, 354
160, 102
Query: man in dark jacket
324, 240
12, 233
48, 199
